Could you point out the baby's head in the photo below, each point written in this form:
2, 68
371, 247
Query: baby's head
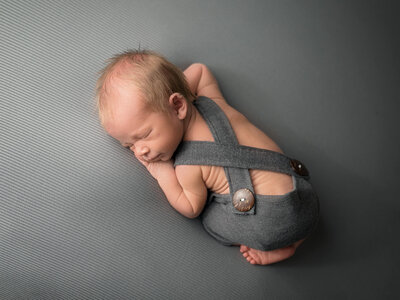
142, 100
154, 77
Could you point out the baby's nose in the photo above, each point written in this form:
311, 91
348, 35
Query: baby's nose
143, 150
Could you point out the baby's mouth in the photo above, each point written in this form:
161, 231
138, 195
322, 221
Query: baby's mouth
154, 159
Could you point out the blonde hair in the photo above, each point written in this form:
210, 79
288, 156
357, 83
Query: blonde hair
154, 76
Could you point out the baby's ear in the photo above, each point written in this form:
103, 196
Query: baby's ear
179, 105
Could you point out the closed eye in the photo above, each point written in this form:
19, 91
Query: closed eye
140, 137
147, 134
128, 146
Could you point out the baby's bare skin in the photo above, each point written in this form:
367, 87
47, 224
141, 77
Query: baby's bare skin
264, 182
154, 136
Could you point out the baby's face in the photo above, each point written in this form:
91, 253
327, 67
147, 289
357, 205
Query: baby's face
152, 136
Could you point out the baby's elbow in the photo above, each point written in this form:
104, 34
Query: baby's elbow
193, 202
195, 210
194, 214
185, 208
189, 215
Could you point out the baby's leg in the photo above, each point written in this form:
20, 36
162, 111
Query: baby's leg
259, 257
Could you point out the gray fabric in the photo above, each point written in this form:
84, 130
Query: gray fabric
279, 221
202, 152
275, 221
81, 218
226, 151
223, 134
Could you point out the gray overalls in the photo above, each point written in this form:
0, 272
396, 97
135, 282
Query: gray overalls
263, 222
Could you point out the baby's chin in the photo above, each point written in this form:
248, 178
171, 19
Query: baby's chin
165, 157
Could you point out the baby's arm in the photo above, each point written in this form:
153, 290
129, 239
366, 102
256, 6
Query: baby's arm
202, 82
184, 188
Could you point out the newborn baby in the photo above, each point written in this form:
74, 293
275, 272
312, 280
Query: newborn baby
209, 160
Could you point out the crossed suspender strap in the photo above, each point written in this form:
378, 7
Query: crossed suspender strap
226, 152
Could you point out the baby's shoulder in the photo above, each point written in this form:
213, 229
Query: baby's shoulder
230, 112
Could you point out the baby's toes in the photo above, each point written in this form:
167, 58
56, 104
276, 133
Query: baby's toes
251, 260
244, 248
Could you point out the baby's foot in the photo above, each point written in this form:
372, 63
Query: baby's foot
259, 257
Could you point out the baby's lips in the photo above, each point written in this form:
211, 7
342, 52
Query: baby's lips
139, 158
151, 160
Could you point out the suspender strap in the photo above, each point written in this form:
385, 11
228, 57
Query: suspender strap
216, 120
228, 153
209, 153
223, 134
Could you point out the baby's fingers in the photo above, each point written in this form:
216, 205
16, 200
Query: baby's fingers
143, 162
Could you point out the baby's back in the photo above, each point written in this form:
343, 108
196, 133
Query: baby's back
264, 182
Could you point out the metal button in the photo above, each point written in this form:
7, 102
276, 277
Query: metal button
243, 200
299, 167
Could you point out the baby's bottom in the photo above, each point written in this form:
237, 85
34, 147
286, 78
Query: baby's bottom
259, 257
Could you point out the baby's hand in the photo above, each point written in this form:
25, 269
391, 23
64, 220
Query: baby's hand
159, 168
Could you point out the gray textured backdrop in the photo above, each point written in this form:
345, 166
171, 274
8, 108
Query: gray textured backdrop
81, 218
